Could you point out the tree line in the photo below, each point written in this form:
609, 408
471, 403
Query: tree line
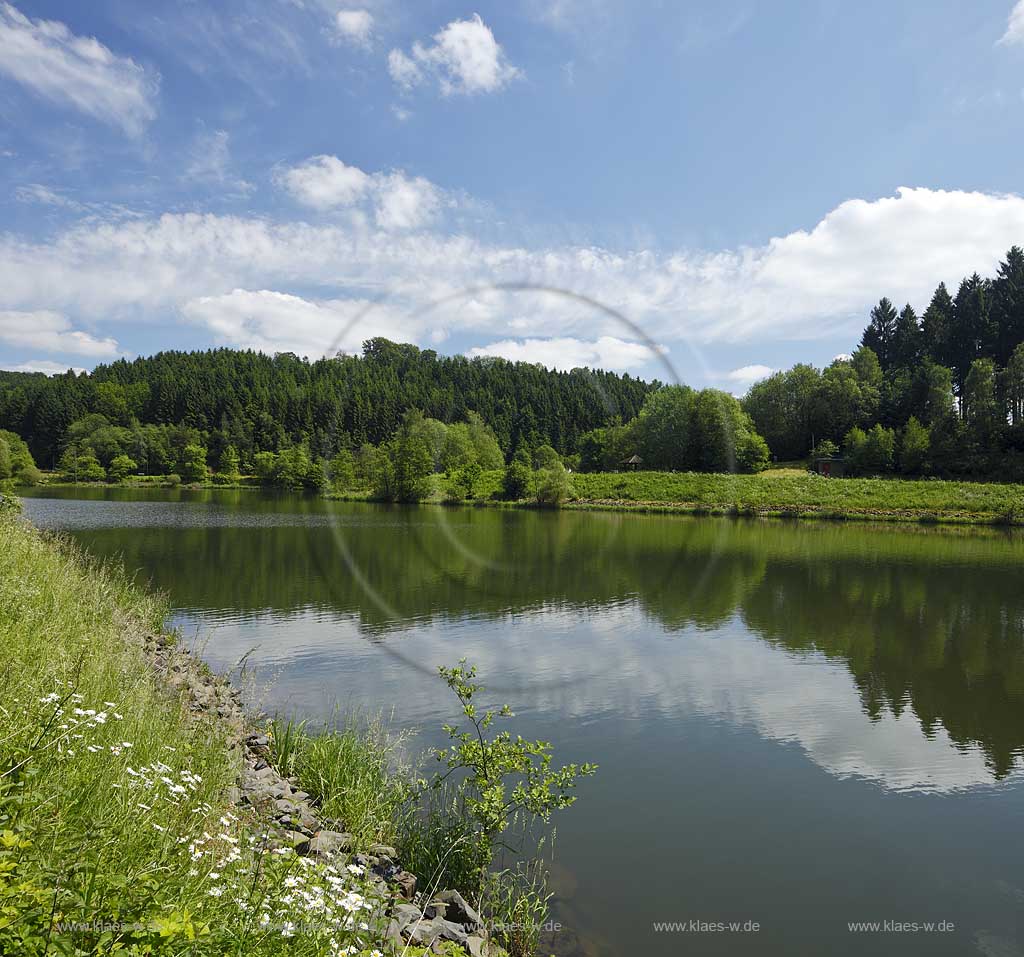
254, 402
940, 394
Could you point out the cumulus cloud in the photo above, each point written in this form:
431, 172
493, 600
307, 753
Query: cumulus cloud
51, 332
279, 322
1014, 26
76, 71
746, 376
463, 58
45, 366
396, 200
806, 285
607, 352
354, 26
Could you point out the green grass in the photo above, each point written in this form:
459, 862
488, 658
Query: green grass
804, 496
354, 769
113, 811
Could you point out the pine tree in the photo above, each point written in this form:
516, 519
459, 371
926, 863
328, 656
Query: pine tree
879, 333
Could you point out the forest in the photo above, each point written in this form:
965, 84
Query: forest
941, 394
937, 395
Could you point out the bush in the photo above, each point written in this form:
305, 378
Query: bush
515, 483
553, 486
121, 466
545, 457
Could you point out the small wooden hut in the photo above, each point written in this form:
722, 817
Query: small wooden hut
633, 462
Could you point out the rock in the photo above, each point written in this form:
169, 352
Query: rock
258, 741
233, 794
406, 884
383, 850
406, 914
427, 931
324, 843
458, 910
297, 840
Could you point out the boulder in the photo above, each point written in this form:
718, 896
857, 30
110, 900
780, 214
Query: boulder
325, 843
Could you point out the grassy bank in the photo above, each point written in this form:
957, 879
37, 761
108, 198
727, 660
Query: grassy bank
784, 492
117, 832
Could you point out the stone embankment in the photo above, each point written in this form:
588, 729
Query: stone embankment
414, 914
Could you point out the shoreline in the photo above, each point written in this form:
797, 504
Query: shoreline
1011, 517
197, 709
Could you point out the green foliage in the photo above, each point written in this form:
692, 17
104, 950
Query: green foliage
825, 449
553, 486
516, 480
870, 453
262, 403
545, 457
505, 778
341, 471
230, 464
463, 483
192, 463
81, 467
121, 466
915, 443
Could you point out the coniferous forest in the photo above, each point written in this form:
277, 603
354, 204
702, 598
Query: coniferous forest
941, 393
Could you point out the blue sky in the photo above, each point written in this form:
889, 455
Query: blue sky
739, 180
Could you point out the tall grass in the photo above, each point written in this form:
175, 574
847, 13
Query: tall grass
356, 770
115, 832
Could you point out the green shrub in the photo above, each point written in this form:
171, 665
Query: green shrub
553, 486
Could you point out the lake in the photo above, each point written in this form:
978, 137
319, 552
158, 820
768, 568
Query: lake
801, 725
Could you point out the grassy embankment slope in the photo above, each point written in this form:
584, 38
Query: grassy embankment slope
114, 810
784, 492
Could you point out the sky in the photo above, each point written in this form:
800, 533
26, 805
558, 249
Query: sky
702, 191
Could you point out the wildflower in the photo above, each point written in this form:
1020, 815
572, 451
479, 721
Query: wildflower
288, 929
355, 869
119, 717
50, 698
215, 891
145, 807
110, 704
158, 827
92, 749
214, 875
292, 882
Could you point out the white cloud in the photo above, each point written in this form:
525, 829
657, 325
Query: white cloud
403, 70
464, 58
809, 284
397, 201
1014, 26
279, 322
38, 193
51, 332
324, 182
211, 162
608, 352
44, 365
405, 203
354, 26
76, 71
746, 376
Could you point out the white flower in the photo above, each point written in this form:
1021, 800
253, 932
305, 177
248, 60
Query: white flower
215, 891
355, 869
50, 698
158, 827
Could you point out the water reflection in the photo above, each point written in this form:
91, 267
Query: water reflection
590, 614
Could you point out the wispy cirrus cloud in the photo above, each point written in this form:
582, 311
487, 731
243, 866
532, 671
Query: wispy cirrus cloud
76, 71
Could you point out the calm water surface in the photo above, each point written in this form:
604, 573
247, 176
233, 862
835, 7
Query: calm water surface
801, 725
